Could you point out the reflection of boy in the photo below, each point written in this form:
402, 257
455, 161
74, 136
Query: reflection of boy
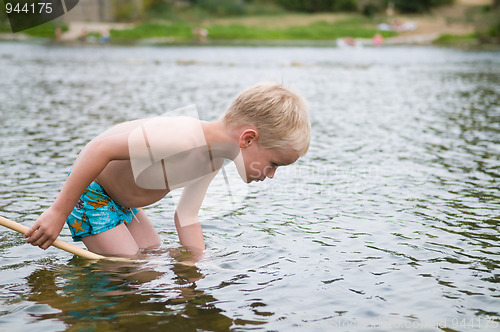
137, 163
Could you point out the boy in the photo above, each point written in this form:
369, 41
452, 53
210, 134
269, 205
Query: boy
136, 163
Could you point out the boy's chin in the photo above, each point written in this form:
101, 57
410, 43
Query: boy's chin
249, 179
246, 178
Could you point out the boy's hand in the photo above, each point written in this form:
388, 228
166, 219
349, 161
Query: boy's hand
46, 229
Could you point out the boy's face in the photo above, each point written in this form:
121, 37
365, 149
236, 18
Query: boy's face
262, 163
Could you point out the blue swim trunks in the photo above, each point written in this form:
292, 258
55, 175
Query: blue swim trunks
95, 212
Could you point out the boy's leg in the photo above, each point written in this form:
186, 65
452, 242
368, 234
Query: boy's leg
116, 241
143, 231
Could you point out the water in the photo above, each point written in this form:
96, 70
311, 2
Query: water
390, 222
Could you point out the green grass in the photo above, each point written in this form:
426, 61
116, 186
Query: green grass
152, 30
46, 30
354, 27
450, 39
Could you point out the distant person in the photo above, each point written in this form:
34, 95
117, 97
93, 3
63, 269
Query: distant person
136, 163
200, 34
378, 40
390, 10
105, 37
203, 35
58, 33
347, 42
83, 35
350, 41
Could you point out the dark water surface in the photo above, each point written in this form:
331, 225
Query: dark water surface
390, 222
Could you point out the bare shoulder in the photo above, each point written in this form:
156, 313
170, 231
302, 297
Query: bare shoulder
163, 136
159, 127
122, 128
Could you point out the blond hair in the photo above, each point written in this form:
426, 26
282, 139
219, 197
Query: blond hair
279, 115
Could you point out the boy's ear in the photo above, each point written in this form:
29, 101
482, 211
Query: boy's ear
248, 137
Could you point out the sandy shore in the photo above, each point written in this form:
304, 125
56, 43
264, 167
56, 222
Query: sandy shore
76, 29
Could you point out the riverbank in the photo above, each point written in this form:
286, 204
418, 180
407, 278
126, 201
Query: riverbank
450, 25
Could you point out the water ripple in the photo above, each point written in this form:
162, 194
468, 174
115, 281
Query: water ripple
391, 218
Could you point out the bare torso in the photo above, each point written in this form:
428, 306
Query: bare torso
171, 137
118, 181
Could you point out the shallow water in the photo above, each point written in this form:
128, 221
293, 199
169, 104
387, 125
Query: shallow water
390, 222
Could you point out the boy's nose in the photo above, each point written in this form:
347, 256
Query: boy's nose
270, 173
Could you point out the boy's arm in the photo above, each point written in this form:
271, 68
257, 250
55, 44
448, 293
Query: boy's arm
186, 214
89, 164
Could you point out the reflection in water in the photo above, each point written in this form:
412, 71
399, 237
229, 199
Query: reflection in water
469, 156
117, 296
475, 161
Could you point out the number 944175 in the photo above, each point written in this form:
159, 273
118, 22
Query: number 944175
33, 8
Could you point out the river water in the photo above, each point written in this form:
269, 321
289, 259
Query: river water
390, 222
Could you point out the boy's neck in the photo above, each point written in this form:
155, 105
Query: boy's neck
217, 132
223, 142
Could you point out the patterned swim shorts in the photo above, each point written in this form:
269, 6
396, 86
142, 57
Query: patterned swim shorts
95, 212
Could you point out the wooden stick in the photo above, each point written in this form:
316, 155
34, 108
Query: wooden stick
61, 244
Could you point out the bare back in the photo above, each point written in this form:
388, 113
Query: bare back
165, 153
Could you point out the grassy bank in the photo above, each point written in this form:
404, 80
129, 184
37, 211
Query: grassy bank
457, 40
482, 16
354, 26
463, 24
